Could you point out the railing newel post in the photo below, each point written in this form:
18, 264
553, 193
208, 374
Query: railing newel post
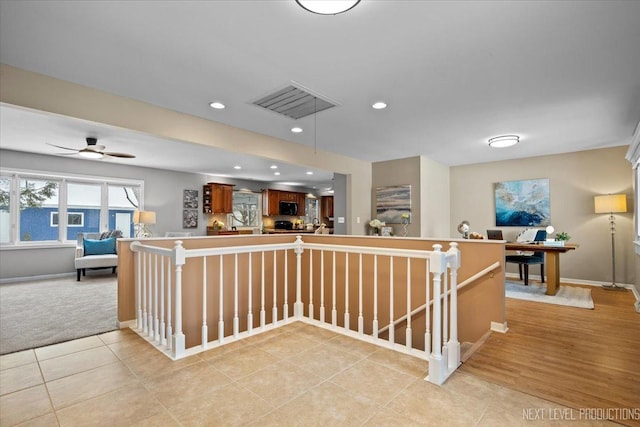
178, 340
298, 307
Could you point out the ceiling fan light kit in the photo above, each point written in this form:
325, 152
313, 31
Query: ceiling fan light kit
93, 151
327, 7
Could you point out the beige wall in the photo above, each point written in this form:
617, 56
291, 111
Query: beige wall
435, 199
39, 92
574, 179
429, 182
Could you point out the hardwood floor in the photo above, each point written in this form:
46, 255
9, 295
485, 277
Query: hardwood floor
575, 357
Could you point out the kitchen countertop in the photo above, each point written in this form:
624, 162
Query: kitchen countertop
281, 231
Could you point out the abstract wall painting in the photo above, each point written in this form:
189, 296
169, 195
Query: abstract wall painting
393, 204
523, 203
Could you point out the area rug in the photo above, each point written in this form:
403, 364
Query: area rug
40, 313
567, 295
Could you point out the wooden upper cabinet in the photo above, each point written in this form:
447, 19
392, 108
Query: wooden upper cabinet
326, 206
270, 202
217, 198
302, 203
288, 196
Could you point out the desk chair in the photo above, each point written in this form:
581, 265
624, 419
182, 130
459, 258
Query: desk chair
524, 261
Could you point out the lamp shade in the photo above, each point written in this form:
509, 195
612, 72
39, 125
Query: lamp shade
611, 203
144, 217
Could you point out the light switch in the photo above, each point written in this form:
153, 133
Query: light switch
340, 220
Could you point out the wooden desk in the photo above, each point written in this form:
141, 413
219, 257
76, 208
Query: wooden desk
552, 260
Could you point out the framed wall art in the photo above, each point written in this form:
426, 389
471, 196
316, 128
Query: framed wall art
190, 199
190, 218
522, 203
393, 204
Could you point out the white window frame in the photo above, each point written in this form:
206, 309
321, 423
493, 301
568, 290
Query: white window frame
63, 179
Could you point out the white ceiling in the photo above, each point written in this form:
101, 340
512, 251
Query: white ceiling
563, 75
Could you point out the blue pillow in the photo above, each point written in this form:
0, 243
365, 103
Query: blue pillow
100, 247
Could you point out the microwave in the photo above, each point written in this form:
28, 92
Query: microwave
288, 208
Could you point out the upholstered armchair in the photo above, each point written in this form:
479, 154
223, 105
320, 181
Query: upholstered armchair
96, 250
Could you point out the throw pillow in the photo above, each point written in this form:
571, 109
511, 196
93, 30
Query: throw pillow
100, 247
111, 233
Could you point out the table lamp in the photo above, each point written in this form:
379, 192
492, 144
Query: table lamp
142, 220
612, 203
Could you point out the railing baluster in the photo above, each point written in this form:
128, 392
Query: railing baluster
427, 317
220, 301
150, 295
408, 333
346, 291
169, 306
274, 314
311, 314
205, 328
322, 286
392, 330
236, 319
360, 316
249, 298
156, 321
262, 311
285, 306
138, 278
145, 316
375, 296
334, 312
163, 285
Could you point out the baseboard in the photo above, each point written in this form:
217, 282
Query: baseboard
35, 278
516, 277
127, 324
499, 327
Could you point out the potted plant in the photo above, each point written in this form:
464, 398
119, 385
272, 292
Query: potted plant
563, 236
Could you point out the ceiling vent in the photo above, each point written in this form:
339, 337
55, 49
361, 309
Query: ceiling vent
295, 102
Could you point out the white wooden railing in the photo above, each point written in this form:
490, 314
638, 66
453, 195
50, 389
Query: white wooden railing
160, 291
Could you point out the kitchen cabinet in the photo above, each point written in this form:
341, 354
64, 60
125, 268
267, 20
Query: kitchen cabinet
217, 198
270, 202
326, 206
302, 203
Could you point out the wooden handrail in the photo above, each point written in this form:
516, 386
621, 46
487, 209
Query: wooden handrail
460, 286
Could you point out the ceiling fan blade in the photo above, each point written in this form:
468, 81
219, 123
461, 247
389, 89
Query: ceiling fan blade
66, 154
64, 148
122, 155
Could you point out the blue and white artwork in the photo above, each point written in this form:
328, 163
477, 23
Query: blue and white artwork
393, 204
523, 203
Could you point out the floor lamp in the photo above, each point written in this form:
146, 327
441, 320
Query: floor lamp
612, 203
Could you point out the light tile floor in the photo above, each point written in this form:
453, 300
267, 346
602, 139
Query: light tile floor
297, 375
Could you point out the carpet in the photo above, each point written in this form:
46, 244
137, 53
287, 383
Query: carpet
39, 313
567, 295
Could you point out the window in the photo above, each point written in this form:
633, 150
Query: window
246, 209
74, 219
32, 203
38, 198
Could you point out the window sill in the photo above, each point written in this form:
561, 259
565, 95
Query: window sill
38, 245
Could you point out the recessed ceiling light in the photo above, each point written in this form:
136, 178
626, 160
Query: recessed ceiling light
504, 141
237, 167
274, 167
217, 105
296, 129
379, 105
276, 173
309, 173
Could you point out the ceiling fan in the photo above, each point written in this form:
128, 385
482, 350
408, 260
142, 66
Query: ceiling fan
93, 151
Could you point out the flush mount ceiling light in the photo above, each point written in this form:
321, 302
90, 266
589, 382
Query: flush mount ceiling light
309, 173
327, 7
274, 166
504, 141
296, 129
379, 105
276, 173
217, 105
237, 167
